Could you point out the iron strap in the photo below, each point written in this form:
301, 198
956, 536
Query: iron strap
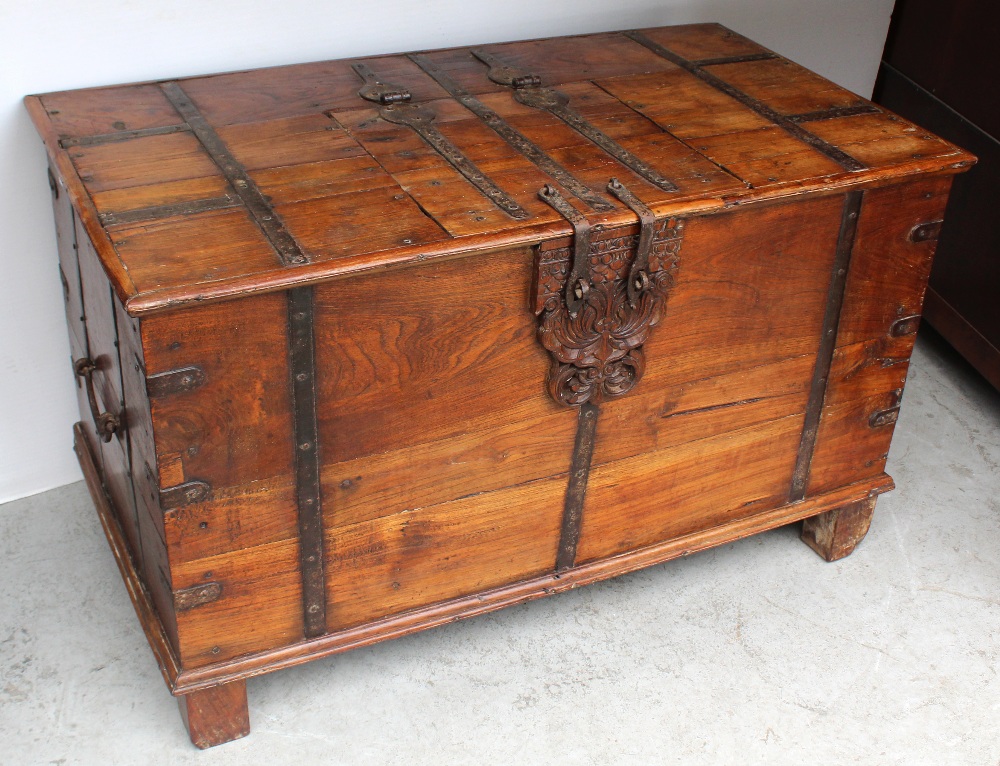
121, 135
578, 280
576, 489
260, 210
421, 120
843, 159
512, 136
168, 210
527, 91
824, 356
302, 362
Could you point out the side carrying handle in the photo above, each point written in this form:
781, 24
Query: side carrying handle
107, 424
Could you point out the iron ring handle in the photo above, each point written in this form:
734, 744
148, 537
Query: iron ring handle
107, 424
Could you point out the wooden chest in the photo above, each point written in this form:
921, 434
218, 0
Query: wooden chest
366, 347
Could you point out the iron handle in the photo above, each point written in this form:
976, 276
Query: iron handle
107, 424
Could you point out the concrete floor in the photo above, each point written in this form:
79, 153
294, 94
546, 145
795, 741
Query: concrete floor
755, 652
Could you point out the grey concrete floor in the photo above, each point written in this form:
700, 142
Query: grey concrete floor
755, 652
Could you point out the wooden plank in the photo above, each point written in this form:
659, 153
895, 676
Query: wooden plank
750, 289
859, 369
231, 519
482, 458
289, 141
259, 608
107, 110
684, 105
236, 427
848, 447
665, 494
766, 156
298, 183
675, 412
193, 249
785, 86
169, 193
364, 222
386, 381
427, 555
69, 266
142, 162
882, 139
703, 41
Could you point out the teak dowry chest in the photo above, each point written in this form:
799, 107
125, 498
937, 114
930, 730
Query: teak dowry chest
364, 347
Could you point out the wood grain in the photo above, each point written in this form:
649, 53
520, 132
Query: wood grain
236, 428
665, 494
216, 715
427, 555
835, 534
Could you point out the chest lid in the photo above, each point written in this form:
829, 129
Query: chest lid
207, 187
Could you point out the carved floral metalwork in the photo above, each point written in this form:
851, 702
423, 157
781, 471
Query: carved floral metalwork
597, 354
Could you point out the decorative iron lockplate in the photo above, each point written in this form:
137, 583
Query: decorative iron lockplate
596, 336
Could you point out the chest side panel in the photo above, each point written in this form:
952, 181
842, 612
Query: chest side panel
897, 234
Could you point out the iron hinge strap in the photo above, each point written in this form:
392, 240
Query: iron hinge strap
578, 281
378, 91
528, 90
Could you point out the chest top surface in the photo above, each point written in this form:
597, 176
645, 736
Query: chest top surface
207, 187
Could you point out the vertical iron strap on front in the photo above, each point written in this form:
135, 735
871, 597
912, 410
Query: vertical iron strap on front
302, 361
828, 341
576, 490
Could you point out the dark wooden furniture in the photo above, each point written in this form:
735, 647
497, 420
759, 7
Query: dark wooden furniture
940, 69
366, 347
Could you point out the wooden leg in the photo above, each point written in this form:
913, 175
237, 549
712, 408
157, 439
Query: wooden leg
216, 715
836, 533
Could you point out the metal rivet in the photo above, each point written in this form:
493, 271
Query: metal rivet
305, 446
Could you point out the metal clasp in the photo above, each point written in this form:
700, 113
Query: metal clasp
578, 281
638, 277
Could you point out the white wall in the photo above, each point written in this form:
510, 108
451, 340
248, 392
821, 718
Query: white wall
61, 44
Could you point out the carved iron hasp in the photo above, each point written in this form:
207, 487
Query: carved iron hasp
598, 301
